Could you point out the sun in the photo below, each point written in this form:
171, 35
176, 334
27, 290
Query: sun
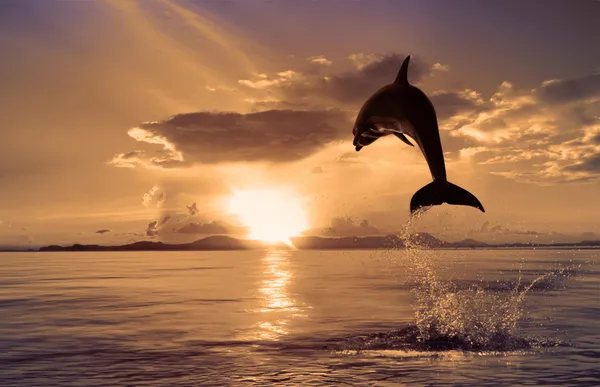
271, 215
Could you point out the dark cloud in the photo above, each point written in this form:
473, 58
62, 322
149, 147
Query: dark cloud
504, 234
356, 86
160, 198
132, 155
571, 90
345, 226
164, 221
301, 113
152, 229
498, 229
533, 136
272, 136
205, 228
448, 104
192, 210
103, 231
339, 89
527, 135
591, 165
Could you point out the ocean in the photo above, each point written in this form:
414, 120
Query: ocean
274, 317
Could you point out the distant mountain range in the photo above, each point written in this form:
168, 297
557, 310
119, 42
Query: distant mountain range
219, 242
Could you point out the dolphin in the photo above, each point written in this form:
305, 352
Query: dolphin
403, 109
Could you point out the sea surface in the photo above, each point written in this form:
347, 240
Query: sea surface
413, 317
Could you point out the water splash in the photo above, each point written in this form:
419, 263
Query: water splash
473, 318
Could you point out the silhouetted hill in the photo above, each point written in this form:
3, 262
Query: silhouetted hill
470, 243
307, 243
219, 242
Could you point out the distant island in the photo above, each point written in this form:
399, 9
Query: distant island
224, 243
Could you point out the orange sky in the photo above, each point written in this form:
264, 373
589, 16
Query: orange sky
102, 101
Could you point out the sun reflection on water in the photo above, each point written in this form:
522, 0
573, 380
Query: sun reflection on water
278, 307
277, 278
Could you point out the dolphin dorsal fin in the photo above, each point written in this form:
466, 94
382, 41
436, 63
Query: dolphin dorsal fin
402, 77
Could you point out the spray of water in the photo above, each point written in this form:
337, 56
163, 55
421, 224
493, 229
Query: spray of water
473, 318
450, 316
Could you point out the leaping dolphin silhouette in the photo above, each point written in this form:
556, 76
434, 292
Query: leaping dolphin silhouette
401, 108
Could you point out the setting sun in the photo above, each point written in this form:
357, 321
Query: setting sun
271, 215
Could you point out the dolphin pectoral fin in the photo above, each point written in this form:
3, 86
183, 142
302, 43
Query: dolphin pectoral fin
438, 192
403, 138
390, 125
358, 148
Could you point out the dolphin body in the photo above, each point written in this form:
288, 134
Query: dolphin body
403, 109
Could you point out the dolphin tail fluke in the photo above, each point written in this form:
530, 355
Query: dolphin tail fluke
436, 193
402, 77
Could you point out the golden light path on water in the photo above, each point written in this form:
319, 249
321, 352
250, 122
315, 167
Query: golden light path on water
278, 307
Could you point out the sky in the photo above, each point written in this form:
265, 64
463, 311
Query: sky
117, 115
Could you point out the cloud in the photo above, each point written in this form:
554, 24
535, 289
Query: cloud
510, 234
320, 60
335, 88
192, 210
271, 136
440, 67
570, 90
263, 81
164, 221
591, 165
544, 136
103, 231
498, 229
160, 198
153, 197
205, 228
152, 229
448, 104
363, 59
162, 158
345, 226
296, 114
